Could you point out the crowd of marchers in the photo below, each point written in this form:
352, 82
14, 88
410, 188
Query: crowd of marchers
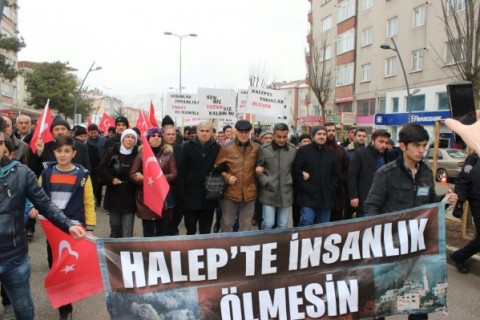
268, 176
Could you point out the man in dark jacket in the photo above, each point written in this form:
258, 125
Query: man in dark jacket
17, 183
121, 124
467, 187
406, 182
198, 157
365, 161
315, 174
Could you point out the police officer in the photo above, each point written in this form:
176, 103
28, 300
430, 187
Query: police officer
467, 187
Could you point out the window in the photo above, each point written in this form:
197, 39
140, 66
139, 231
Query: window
392, 27
455, 52
382, 105
417, 103
345, 42
326, 53
344, 74
367, 37
442, 101
366, 72
454, 6
327, 23
419, 16
346, 9
390, 67
417, 60
366, 107
7, 90
367, 4
395, 104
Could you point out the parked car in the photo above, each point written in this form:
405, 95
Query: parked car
450, 161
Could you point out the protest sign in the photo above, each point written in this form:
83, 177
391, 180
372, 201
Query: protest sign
182, 104
363, 268
267, 102
217, 103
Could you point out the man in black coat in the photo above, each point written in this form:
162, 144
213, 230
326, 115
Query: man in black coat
364, 163
198, 158
315, 176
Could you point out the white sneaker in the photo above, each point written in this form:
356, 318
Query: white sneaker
8, 312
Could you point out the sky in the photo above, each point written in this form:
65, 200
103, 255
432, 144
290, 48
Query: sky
126, 38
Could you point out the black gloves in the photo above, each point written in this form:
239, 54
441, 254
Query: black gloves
458, 210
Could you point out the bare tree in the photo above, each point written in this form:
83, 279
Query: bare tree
320, 75
258, 75
462, 25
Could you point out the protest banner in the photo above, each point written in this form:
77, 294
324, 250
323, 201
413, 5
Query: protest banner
267, 102
242, 100
355, 269
182, 104
217, 103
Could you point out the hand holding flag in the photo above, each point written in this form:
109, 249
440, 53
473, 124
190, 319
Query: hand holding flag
42, 133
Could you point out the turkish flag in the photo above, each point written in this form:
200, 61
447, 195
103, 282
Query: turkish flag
105, 123
42, 129
155, 185
75, 272
151, 115
143, 124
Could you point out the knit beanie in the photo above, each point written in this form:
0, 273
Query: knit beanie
59, 122
167, 120
316, 128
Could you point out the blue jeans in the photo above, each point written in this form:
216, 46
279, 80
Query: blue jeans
269, 214
314, 215
15, 277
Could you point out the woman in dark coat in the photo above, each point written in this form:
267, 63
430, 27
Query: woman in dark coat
153, 224
120, 192
198, 157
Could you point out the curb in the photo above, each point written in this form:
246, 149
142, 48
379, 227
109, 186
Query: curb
473, 263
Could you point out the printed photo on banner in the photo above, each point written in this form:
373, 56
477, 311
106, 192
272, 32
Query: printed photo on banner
217, 103
182, 104
363, 268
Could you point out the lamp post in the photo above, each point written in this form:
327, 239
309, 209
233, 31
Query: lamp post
386, 46
80, 90
180, 37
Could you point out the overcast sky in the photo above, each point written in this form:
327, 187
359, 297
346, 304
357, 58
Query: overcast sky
126, 39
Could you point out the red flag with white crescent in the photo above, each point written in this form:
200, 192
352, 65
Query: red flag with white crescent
42, 129
151, 115
106, 122
143, 124
75, 272
155, 185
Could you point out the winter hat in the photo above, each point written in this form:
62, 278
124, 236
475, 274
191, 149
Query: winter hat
243, 125
59, 122
316, 128
124, 150
153, 131
79, 130
121, 119
304, 136
167, 120
265, 131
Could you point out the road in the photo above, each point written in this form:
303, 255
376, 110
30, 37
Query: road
463, 290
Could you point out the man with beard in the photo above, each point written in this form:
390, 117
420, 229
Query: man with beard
364, 163
341, 194
121, 124
315, 175
358, 142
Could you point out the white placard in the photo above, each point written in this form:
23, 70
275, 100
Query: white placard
217, 103
266, 102
182, 105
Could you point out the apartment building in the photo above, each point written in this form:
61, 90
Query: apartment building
369, 79
8, 89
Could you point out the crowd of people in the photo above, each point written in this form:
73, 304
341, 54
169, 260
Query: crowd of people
267, 178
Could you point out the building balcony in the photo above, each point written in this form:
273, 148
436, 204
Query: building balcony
310, 38
310, 17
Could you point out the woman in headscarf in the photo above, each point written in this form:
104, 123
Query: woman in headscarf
154, 225
114, 170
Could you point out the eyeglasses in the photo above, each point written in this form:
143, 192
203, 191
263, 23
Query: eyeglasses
156, 135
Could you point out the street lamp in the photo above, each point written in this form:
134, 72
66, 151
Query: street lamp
386, 46
80, 90
176, 89
180, 37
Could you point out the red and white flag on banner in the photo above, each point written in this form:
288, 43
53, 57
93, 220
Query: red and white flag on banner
75, 272
143, 124
42, 129
105, 123
155, 185
151, 115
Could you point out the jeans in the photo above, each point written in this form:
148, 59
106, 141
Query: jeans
314, 215
121, 224
270, 214
229, 214
15, 277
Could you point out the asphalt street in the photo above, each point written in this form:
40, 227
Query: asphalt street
463, 291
